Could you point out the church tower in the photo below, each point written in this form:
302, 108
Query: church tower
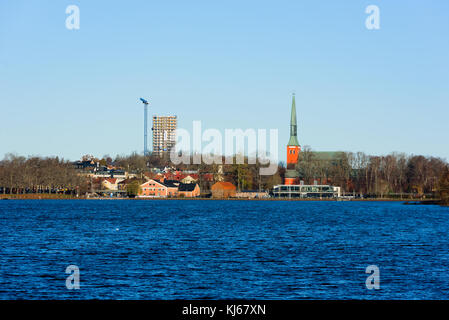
293, 149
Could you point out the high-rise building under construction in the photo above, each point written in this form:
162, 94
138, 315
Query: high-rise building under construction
164, 134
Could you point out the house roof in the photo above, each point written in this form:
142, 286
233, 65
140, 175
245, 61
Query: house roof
126, 181
189, 178
186, 186
223, 185
327, 155
117, 171
155, 181
171, 183
84, 164
111, 180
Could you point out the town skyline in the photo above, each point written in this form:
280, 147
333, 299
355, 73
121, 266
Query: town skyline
221, 159
375, 91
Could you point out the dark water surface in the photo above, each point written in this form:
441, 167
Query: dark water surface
222, 249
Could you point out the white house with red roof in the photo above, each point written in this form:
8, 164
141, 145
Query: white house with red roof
110, 183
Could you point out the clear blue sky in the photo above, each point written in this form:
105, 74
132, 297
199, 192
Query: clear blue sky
231, 64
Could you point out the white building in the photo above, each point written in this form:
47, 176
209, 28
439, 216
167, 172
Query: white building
306, 191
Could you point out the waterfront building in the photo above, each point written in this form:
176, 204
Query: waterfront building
306, 191
164, 134
168, 188
172, 187
153, 188
188, 190
223, 189
110, 183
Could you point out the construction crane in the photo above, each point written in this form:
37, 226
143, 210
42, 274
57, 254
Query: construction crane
145, 125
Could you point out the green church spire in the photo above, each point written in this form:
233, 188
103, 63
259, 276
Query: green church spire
293, 126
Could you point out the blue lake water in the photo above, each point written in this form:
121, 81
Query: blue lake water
182, 249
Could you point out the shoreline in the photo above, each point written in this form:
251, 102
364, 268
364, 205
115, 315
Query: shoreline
54, 197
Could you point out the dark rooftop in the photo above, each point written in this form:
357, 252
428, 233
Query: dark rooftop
171, 183
186, 186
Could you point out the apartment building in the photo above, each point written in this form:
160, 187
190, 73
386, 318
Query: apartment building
164, 134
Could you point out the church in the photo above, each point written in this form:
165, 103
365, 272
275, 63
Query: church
293, 187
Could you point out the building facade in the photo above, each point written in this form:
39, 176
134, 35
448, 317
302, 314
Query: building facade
188, 190
164, 134
168, 189
306, 191
223, 189
153, 188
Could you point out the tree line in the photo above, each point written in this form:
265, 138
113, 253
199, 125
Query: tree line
395, 174
392, 174
19, 175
